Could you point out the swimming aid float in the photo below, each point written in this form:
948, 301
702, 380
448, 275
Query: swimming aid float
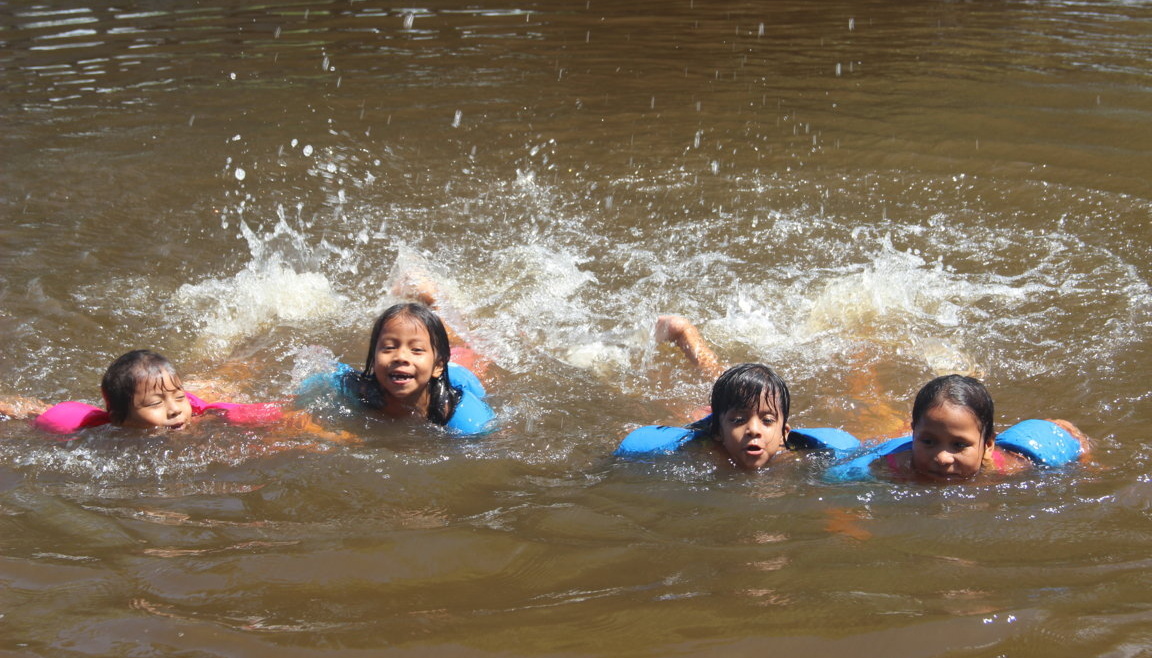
472, 415
69, 417
1041, 441
666, 439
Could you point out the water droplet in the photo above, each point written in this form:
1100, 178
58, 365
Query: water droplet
240, 173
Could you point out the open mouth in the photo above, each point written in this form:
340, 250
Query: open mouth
400, 377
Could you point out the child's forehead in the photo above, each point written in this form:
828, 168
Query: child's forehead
157, 382
405, 323
765, 400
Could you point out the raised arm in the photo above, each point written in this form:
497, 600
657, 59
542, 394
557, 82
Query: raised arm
682, 333
419, 286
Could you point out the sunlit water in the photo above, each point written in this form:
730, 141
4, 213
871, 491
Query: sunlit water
862, 191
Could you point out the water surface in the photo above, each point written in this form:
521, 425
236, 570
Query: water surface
850, 191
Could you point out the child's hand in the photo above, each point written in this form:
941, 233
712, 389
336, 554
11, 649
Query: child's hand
301, 421
22, 407
679, 331
670, 328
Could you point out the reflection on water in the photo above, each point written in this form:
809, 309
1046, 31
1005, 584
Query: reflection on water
848, 191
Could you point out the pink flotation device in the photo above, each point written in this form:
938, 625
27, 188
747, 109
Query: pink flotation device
69, 417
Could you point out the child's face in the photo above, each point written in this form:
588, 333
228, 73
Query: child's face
406, 360
753, 436
947, 443
159, 403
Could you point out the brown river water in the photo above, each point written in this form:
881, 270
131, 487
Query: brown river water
876, 189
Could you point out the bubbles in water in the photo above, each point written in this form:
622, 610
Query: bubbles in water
240, 173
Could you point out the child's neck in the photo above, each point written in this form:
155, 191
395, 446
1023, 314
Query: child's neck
397, 408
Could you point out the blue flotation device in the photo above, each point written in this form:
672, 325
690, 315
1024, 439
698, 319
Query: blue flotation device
1042, 441
471, 416
666, 439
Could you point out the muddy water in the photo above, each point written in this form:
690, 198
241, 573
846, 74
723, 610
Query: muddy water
853, 192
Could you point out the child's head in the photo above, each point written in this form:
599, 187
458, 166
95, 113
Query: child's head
750, 414
142, 389
952, 430
408, 358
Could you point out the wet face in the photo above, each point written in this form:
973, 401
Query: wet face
753, 436
159, 403
406, 361
947, 443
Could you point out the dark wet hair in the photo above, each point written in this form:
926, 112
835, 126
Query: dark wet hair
124, 375
961, 391
443, 398
744, 386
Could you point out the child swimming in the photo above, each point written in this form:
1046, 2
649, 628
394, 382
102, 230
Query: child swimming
953, 440
409, 374
143, 390
750, 405
749, 419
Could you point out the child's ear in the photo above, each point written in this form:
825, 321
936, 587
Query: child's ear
439, 369
104, 394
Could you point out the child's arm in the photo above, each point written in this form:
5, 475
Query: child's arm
682, 333
302, 422
275, 417
17, 406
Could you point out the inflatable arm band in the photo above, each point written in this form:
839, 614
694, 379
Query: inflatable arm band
472, 415
1041, 441
69, 417
665, 439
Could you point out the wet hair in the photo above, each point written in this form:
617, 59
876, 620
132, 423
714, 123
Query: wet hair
125, 374
961, 391
443, 398
744, 386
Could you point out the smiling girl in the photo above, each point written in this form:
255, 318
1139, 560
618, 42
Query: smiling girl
408, 374
953, 440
